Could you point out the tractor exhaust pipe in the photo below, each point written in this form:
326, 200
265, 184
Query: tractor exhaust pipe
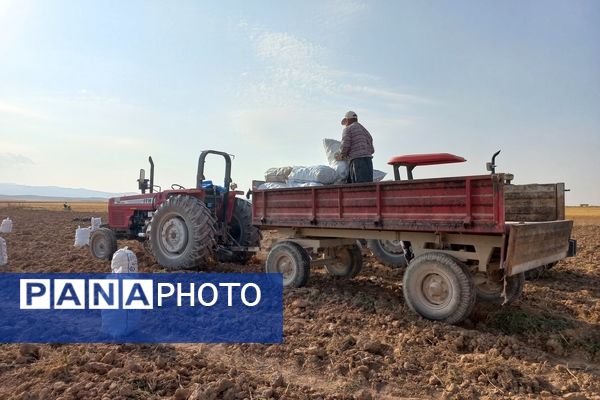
491, 166
151, 174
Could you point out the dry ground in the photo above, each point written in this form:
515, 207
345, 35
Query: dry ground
84, 206
343, 340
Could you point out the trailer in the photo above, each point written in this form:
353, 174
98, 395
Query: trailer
464, 238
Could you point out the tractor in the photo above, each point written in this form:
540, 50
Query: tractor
182, 228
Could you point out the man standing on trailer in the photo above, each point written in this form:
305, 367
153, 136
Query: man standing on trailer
357, 148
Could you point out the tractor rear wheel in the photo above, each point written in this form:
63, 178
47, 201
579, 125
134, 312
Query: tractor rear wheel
182, 233
439, 287
103, 243
242, 231
388, 252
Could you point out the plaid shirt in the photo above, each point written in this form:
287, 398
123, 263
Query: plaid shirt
356, 142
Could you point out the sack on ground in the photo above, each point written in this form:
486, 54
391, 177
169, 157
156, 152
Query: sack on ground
124, 261
96, 223
277, 174
316, 173
3, 252
332, 147
82, 236
6, 226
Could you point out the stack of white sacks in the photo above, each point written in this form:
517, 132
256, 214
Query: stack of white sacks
5, 227
317, 175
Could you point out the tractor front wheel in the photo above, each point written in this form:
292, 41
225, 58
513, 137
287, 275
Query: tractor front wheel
103, 243
182, 233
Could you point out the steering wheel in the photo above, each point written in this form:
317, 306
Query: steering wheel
175, 186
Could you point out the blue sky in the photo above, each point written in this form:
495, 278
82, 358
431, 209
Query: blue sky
89, 89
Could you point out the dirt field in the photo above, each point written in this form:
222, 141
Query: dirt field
83, 206
343, 340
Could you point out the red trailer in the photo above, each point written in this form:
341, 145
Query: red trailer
465, 238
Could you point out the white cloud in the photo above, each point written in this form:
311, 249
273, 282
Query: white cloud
345, 10
13, 160
12, 109
296, 73
384, 94
286, 49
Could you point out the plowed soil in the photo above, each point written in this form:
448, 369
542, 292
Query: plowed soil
343, 339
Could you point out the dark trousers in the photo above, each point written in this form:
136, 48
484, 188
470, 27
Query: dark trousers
361, 170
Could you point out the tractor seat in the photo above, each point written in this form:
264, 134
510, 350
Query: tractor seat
410, 161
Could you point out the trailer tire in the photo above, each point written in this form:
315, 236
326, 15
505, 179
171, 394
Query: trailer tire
439, 287
348, 262
388, 252
539, 272
291, 260
493, 293
242, 231
103, 243
182, 233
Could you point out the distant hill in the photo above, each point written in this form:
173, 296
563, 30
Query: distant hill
13, 191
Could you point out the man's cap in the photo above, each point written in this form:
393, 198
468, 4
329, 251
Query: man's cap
349, 115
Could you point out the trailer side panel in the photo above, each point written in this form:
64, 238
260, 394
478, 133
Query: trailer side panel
473, 204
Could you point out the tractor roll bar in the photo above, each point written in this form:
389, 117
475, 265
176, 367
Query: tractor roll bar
200, 176
201, 160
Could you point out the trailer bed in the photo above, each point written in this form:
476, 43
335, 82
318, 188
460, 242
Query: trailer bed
473, 204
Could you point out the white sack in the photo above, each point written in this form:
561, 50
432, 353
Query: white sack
82, 236
332, 147
6, 226
292, 183
3, 252
96, 222
124, 261
277, 174
317, 173
272, 185
378, 175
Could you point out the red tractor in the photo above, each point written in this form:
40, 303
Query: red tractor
182, 227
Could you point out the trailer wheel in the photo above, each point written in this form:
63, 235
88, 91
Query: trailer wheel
348, 262
182, 233
389, 252
439, 287
291, 260
539, 272
103, 243
490, 291
242, 231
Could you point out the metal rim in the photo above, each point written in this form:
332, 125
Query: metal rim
342, 263
284, 264
435, 289
173, 235
100, 245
